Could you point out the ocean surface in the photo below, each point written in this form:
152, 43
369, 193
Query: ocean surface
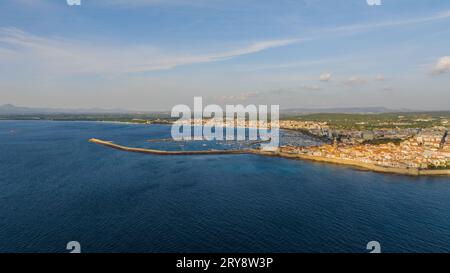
56, 187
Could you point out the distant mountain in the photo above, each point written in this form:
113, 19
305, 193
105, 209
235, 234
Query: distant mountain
354, 110
9, 109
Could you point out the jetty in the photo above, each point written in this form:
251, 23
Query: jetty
163, 152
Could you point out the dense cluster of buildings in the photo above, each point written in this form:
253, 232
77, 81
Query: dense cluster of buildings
429, 149
229, 123
323, 130
414, 148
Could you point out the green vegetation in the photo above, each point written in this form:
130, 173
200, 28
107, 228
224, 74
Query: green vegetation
434, 167
395, 141
338, 121
378, 121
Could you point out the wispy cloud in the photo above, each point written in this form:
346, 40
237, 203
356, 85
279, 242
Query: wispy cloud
142, 3
355, 80
81, 58
390, 23
310, 87
270, 95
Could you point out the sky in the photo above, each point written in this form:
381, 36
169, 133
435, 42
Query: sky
151, 55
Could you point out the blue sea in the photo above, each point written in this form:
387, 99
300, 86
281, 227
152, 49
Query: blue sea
56, 187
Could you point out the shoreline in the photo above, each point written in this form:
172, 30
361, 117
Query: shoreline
371, 167
350, 163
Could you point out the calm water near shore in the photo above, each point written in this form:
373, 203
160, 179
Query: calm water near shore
56, 187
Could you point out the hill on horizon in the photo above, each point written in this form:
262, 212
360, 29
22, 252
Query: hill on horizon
10, 109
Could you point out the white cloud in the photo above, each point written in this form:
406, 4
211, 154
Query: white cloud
355, 80
442, 65
77, 57
325, 77
145, 3
270, 95
380, 77
310, 87
240, 97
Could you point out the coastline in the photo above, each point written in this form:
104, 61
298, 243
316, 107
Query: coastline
351, 163
366, 166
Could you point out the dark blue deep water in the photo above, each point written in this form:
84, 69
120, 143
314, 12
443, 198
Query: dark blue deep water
56, 187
